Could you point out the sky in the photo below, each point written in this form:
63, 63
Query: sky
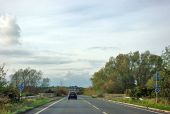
69, 40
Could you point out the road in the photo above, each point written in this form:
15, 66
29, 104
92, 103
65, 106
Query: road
87, 105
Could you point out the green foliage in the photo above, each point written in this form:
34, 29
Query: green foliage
12, 93
165, 74
3, 110
81, 91
121, 72
165, 85
133, 73
27, 104
30, 77
138, 92
100, 94
150, 84
90, 92
3, 81
166, 57
62, 91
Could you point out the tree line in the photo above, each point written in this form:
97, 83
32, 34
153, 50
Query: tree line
134, 74
31, 78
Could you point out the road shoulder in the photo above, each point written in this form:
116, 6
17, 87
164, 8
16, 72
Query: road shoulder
39, 109
139, 107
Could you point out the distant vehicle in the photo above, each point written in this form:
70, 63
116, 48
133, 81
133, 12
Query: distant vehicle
72, 95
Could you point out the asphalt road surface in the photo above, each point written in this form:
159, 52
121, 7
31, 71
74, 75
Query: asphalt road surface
87, 105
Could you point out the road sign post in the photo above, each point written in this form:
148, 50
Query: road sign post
157, 87
21, 88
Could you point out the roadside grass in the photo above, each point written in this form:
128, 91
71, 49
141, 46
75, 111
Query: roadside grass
162, 105
3, 110
24, 105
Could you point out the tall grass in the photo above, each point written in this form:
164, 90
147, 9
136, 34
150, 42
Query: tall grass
22, 106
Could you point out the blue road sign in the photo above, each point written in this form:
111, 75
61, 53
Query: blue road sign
157, 86
21, 87
157, 90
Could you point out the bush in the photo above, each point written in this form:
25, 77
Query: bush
61, 92
3, 109
100, 95
29, 94
49, 91
138, 92
4, 100
89, 91
11, 93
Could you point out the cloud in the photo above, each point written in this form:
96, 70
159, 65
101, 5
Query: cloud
9, 30
78, 9
81, 79
72, 69
41, 60
104, 48
81, 35
15, 52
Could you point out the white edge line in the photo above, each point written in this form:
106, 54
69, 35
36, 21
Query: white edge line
92, 105
95, 107
49, 106
134, 106
104, 112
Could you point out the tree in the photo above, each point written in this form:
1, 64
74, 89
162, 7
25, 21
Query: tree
2, 77
30, 77
98, 80
165, 74
124, 74
120, 73
109, 86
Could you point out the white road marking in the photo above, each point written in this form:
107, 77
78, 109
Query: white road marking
127, 105
104, 112
49, 106
95, 107
143, 109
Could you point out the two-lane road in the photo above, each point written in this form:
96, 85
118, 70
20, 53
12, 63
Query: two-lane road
87, 105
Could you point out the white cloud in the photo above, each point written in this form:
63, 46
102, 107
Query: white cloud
9, 30
79, 35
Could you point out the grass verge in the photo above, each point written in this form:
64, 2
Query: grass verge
146, 102
24, 105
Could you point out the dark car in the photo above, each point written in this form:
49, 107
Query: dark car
72, 95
